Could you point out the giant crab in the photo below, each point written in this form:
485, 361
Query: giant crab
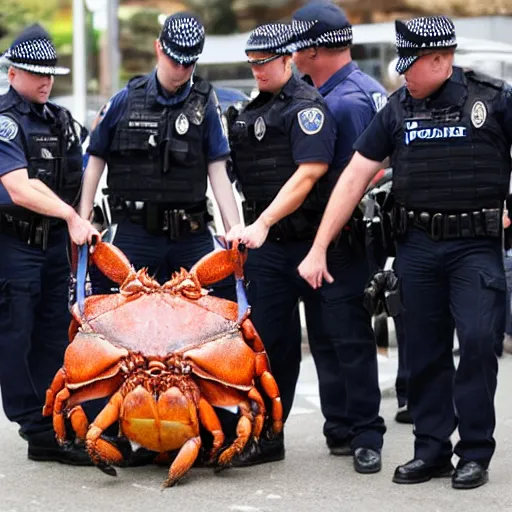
164, 354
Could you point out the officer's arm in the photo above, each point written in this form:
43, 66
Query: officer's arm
294, 192
345, 197
92, 176
218, 152
223, 191
44, 189
23, 193
313, 138
101, 139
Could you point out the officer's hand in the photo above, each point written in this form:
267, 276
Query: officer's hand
506, 220
81, 231
254, 235
314, 268
235, 232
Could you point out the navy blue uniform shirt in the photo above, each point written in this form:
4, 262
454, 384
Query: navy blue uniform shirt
314, 142
12, 152
101, 138
353, 98
310, 125
5, 198
378, 141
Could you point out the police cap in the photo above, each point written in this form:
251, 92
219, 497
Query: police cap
420, 34
182, 38
321, 24
33, 51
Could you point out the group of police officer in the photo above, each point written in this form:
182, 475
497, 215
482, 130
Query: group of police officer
297, 143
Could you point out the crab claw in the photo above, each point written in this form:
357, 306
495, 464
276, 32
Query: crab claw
220, 264
112, 262
106, 468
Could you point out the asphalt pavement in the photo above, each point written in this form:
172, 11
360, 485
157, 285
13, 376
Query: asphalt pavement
308, 480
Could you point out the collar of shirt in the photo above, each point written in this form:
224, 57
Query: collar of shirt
263, 98
341, 75
289, 87
24, 106
165, 98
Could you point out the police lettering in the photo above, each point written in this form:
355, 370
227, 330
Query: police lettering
447, 132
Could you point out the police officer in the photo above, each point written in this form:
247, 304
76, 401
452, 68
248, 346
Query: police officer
323, 36
283, 144
449, 133
162, 138
40, 176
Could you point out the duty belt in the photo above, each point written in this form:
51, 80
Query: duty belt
162, 219
281, 232
34, 232
486, 222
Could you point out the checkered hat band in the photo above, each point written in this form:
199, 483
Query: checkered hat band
333, 38
41, 70
35, 51
405, 48
191, 55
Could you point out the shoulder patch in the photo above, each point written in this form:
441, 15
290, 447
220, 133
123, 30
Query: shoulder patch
379, 100
311, 120
8, 128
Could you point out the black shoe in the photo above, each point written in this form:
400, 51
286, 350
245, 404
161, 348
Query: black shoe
339, 448
43, 447
367, 461
469, 475
258, 453
403, 416
417, 471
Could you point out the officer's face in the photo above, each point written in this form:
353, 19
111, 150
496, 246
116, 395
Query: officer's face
272, 75
427, 74
33, 87
171, 73
303, 59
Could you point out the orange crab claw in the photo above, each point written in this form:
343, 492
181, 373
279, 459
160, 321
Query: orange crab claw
220, 264
112, 262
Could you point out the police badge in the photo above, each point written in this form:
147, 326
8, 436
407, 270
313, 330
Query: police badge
260, 128
182, 124
311, 120
478, 114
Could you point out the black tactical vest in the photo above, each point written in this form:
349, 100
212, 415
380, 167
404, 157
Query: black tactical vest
262, 151
158, 153
452, 159
52, 142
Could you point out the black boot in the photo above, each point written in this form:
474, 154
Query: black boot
43, 447
469, 475
265, 450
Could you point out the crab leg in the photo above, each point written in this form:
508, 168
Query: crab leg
184, 460
103, 453
210, 421
243, 433
220, 264
79, 422
267, 381
112, 262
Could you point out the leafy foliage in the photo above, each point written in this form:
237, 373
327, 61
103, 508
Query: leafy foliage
16, 15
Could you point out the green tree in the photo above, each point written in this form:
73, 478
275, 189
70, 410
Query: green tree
17, 14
